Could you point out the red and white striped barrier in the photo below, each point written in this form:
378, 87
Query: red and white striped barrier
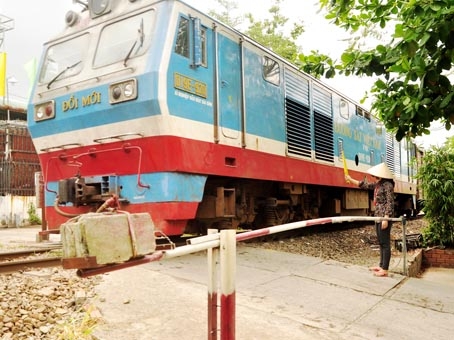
223, 243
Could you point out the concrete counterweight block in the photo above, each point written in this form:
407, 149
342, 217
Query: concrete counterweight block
111, 238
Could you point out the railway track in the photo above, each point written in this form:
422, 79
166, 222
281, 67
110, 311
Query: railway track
18, 260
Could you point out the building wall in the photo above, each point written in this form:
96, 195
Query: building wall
14, 210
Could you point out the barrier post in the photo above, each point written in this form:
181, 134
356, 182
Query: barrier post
213, 258
228, 275
404, 245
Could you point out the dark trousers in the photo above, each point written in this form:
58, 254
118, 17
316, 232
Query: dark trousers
384, 240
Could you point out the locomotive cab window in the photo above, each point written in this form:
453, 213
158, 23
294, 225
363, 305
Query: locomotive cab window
182, 41
64, 60
203, 46
363, 113
271, 71
124, 40
198, 42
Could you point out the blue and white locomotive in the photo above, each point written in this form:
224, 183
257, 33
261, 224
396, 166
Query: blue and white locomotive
152, 106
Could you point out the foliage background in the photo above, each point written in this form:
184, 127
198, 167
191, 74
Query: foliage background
436, 176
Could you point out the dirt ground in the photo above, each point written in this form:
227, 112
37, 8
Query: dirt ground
354, 245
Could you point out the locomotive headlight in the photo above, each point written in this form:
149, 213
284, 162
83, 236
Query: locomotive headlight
129, 90
123, 91
98, 7
116, 92
44, 111
71, 18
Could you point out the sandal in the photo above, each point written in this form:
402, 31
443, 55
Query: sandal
375, 269
381, 273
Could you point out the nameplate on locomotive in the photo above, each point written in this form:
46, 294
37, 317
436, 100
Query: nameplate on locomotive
190, 85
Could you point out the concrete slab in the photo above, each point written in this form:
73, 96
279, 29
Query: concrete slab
257, 265
310, 302
392, 319
266, 259
445, 275
145, 304
141, 304
352, 277
433, 295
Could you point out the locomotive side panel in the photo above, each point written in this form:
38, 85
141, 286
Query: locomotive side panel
264, 107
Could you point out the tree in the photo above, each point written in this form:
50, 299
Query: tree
412, 67
436, 177
225, 15
269, 32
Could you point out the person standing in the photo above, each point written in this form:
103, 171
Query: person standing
384, 207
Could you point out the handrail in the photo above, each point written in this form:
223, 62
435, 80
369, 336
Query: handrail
60, 147
127, 134
125, 147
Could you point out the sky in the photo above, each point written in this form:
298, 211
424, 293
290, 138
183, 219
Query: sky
36, 21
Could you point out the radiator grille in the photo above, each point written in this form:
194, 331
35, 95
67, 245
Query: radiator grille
393, 155
323, 125
298, 128
306, 130
298, 116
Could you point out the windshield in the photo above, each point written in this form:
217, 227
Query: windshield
64, 60
124, 40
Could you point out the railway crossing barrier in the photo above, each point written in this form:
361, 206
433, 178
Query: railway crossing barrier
221, 249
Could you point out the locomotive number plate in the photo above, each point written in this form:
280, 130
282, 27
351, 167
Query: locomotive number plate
190, 85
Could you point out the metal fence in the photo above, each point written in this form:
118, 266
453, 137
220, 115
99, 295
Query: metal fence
18, 160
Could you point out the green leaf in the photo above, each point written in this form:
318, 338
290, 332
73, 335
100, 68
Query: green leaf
412, 47
380, 84
426, 101
399, 31
330, 73
396, 68
424, 39
347, 57
381, 49
447, 100
435, 7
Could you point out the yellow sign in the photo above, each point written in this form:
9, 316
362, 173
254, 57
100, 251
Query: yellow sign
345, 164
187, 84
2, 74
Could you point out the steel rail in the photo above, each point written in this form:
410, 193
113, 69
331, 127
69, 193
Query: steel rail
14, 266
26, 252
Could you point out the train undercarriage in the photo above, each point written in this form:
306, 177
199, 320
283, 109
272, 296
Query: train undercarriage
253, 204
239, 203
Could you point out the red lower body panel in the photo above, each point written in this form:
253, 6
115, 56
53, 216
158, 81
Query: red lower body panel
168, 217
